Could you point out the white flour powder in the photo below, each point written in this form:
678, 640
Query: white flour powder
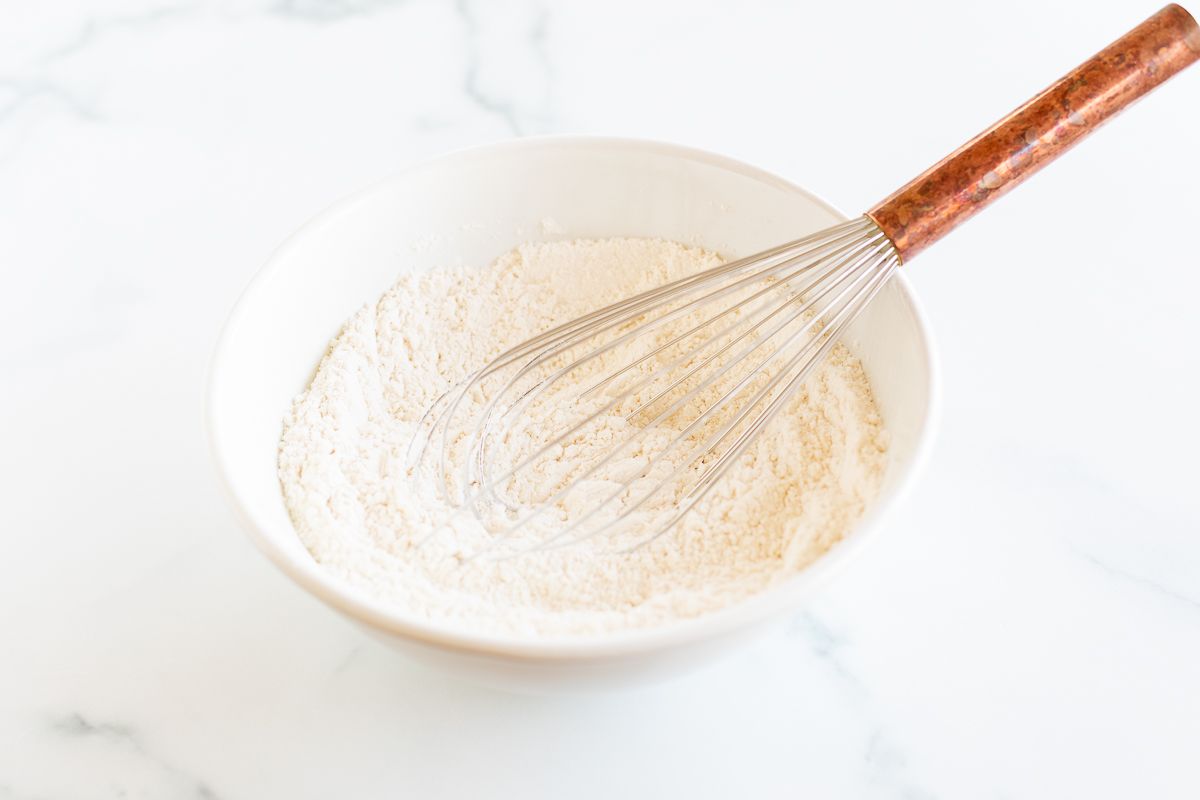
361, 513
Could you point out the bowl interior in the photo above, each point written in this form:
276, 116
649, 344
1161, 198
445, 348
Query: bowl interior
473, 206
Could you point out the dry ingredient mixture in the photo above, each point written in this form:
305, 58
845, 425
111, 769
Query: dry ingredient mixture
365, 516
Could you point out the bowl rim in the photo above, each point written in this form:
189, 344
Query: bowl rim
750, 612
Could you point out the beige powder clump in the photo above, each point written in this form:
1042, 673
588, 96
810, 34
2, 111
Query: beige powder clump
362, 511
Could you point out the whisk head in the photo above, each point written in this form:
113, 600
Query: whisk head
612, 427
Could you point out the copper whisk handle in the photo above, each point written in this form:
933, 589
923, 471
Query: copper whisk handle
1021, 143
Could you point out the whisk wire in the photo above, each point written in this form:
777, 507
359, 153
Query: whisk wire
765, 322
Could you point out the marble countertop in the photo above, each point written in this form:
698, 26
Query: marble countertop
1029, 626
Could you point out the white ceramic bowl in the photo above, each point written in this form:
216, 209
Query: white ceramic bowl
469, 207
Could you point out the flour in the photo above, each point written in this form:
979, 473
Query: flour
370, 520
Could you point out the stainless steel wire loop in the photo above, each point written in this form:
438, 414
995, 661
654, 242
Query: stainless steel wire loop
754, 330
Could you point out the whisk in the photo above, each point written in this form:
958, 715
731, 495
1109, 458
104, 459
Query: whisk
679, 381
